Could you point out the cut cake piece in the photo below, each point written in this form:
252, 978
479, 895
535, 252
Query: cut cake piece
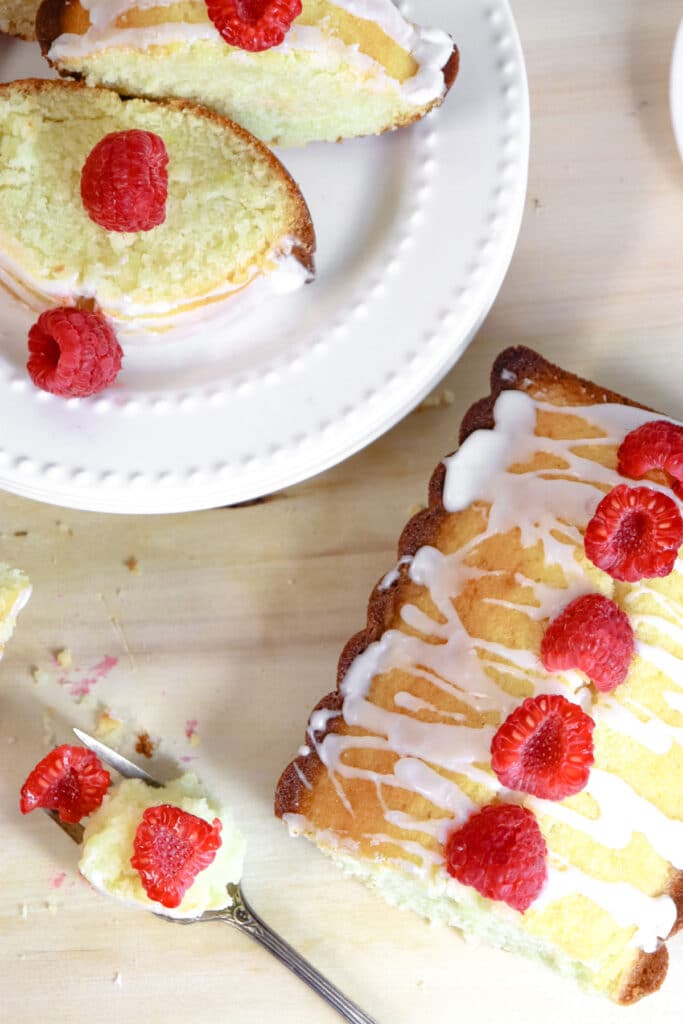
345, 68
108, 845
15, 591
399, 757
18, 18
234, 216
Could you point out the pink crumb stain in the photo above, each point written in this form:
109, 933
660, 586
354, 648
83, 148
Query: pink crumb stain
186, 758
57, 880
82, 687
191, 727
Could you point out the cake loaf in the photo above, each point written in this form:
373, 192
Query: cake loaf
503, 751
344, 68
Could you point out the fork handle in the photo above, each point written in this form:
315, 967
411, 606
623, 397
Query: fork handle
245, 918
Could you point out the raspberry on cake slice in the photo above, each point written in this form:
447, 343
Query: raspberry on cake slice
161, 213
290, 71
502, 750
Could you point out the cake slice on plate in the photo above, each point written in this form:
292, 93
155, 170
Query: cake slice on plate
342, 68
231, 215
503, 751
15, 591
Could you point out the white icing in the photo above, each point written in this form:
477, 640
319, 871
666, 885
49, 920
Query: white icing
550, 507
625, 903
674, 700
282, 273
394, 574
430, 48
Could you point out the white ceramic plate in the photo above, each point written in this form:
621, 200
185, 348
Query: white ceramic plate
415, 232
676, 89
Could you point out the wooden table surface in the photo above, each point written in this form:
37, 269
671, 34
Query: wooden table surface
235, 617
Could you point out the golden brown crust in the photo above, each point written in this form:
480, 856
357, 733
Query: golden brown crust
50, 23
301, 226
520, 369
647, 976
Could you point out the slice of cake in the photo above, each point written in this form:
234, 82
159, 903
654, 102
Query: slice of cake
18, 17
344, 68
111, 842
233, 216
503, 752
15, 591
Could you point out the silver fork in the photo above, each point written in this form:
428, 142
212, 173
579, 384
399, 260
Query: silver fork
240, 914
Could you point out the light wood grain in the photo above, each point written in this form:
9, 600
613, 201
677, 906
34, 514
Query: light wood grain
237, 615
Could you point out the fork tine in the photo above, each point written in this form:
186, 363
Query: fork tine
74, 829
121, 764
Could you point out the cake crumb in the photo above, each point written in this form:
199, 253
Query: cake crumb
145, 745
57, 880
64, 528
20, 533
437, 400
107, 726
49, 736
132, 565
23, 911
64, 658
117, 979
38, 675
51, 907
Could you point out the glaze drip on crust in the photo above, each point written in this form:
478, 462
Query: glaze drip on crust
400, 755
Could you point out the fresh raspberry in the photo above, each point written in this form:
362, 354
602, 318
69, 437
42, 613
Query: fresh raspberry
171, 848
501, 853
635, 534
124, 182
656, 445
72, 352
593, 635
70, 780
253, 24
545, 747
